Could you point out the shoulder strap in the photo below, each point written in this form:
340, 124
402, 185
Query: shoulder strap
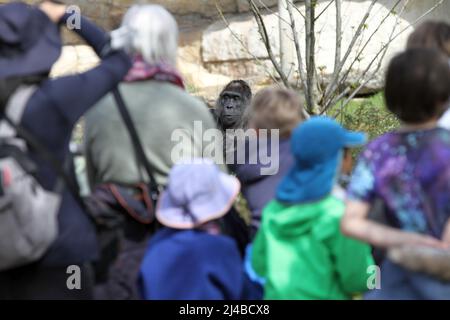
14, 109
137, 144
13, 115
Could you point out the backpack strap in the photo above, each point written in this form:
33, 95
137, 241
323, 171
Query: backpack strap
14, 110
137, 144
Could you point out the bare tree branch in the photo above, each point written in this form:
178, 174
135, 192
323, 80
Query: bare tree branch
337, 58
325, 9
298, 10
383, 51
307, 69
301, 72
419, 18
310, 55
266, 40
242, 43
337, 53
361, 50
333, 83
269, 10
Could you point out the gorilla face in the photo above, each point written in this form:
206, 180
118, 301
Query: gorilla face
233, 108
231, 105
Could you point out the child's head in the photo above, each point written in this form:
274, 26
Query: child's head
418, 85
197, 193
432, 35
276, 108
319, 146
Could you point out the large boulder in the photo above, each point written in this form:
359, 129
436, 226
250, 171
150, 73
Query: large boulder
74, 59
213, 52
202, 7
243, 5
235, 47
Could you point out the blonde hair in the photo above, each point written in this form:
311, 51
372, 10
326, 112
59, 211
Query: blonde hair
149, 30
276, 108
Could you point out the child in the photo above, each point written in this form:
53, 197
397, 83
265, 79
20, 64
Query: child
409, 169
190, 259
299, 250
273, 108
433, 35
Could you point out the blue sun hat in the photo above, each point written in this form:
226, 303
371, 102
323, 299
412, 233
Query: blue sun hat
197, 192
30, 43
317, 146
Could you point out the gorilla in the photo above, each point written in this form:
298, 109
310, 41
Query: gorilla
231, 105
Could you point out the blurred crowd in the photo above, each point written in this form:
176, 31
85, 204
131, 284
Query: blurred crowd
319, 227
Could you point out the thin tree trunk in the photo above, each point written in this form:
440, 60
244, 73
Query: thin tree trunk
265, 38
337, 55
286, 43
298, 51
311, 99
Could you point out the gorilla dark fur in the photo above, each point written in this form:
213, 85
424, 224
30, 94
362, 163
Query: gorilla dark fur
232, 104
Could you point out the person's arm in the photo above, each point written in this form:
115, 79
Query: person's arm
258, 254
356, 225
248, 267
94, 36
352, 260
53, 10
361, 195
74, 95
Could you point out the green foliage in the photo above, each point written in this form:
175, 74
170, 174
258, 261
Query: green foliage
368, 115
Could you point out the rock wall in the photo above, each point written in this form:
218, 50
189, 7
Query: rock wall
107, 13
244, 54
213, 52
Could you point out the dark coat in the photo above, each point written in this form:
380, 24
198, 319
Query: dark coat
50, 116
259, 189
193, 265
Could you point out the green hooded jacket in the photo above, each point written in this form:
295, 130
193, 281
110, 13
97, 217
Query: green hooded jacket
302, 254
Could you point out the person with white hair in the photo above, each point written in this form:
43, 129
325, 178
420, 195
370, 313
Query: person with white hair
155, 96
149, 31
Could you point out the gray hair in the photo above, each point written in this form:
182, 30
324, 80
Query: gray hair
149, 30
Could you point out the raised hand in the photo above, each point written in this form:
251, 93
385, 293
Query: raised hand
53, 10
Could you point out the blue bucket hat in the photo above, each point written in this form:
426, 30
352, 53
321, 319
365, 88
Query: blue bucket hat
317, 146
30, 43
